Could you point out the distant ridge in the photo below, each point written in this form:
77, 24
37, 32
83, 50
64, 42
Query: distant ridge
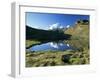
38, 34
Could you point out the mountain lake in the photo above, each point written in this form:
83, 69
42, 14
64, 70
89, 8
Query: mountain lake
55, 46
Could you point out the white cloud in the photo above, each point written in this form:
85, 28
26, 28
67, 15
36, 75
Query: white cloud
61, 44
68, 45
54, 26
67, 26
58, 26
54, 45
36, 27
61, 27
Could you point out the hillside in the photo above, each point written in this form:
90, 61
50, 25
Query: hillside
80, 35
44, 35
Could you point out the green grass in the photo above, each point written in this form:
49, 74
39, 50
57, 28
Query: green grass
79, 40
80, 36
30, 43
54, 58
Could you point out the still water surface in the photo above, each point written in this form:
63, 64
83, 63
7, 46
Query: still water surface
61, 46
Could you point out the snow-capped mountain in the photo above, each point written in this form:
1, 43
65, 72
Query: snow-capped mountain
57, 26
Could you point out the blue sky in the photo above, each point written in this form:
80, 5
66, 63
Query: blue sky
45, 20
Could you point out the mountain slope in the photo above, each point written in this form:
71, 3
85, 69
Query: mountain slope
80, 35
37, 34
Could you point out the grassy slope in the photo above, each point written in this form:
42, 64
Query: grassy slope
54, 58
80, 36
79, 39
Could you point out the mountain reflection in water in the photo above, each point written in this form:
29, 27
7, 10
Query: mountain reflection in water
57, 46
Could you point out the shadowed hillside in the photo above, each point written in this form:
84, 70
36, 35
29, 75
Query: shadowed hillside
44, 35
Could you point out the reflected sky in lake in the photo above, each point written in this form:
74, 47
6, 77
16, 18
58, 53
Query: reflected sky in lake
57, 46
